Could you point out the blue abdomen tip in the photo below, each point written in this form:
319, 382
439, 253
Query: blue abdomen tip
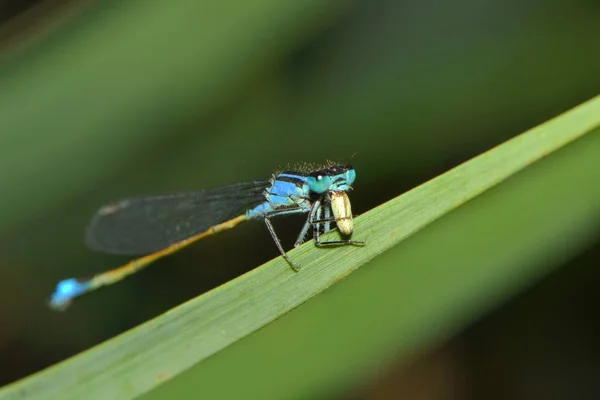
66, 291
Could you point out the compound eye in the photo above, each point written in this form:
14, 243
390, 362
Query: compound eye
350, 176
319, 183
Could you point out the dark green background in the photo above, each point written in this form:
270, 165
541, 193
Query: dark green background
95, 106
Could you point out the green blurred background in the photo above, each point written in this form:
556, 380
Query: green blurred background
105, 99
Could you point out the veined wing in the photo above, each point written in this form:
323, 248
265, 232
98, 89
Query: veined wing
145, 224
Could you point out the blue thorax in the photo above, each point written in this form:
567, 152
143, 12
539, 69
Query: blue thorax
293, 190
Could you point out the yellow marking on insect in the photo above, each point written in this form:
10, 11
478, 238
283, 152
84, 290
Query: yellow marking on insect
342, 212
115, 275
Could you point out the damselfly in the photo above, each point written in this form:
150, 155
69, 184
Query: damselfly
155, 226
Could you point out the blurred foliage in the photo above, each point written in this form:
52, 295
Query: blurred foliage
167, 346
133, 97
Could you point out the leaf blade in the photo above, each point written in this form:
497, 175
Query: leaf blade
141, 359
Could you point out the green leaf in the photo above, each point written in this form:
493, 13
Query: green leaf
426, 287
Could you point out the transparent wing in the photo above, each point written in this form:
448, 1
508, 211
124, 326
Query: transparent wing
142, 225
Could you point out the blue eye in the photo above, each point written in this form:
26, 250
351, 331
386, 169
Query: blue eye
319, 183
350, 176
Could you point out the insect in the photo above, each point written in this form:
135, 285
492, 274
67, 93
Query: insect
155, 226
